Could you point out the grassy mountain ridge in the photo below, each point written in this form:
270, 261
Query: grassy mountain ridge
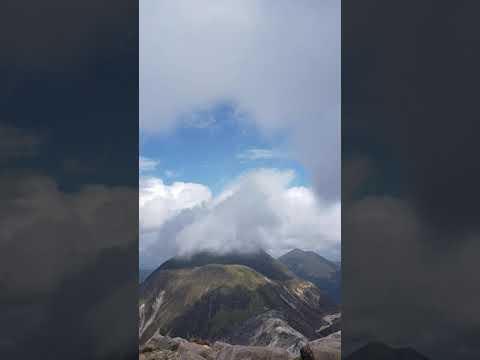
259, 261
209, 296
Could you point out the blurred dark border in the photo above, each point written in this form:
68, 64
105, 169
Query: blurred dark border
410, 179
69, 179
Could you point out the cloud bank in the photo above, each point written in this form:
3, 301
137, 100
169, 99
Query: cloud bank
276, 62
258, 210
42, 227
64, 251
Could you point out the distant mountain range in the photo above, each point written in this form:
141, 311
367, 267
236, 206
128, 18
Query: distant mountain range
245, 299
310, 266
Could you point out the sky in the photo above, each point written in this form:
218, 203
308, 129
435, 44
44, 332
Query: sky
239, 127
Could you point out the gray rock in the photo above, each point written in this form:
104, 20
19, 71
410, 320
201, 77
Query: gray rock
332, 323
239, 352
326, 348
190, 350
159, 355
272, 330
163, 347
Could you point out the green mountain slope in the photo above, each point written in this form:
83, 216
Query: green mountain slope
312, 267
210, 297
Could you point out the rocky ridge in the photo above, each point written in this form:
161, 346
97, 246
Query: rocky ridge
160, 347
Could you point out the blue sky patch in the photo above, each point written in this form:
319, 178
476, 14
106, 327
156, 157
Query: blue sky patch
214, 146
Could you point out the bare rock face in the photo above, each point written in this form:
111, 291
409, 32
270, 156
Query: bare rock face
332, 324
159, 355
269, 329
327, 348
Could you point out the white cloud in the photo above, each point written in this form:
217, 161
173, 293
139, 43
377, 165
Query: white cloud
277, 62
257, 210
146, 164
159, 202
262, 154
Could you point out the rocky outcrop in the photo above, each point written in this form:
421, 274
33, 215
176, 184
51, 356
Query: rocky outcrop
163, 347
240, 352
333, 323
327, 348
166, 348
272, 330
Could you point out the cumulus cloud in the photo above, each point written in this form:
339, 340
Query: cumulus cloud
276, 62
258, 210
159, 202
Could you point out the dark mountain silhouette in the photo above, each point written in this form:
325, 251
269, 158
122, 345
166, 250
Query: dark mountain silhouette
380, 351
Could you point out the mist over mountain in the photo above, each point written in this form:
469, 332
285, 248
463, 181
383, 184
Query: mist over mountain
260, 209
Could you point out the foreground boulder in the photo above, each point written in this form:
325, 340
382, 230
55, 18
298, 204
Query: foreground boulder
327, 348
165, 348
150, 354
240, 352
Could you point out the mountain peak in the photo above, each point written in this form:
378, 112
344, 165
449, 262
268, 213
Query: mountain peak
212, 296
260, 261
295, 251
